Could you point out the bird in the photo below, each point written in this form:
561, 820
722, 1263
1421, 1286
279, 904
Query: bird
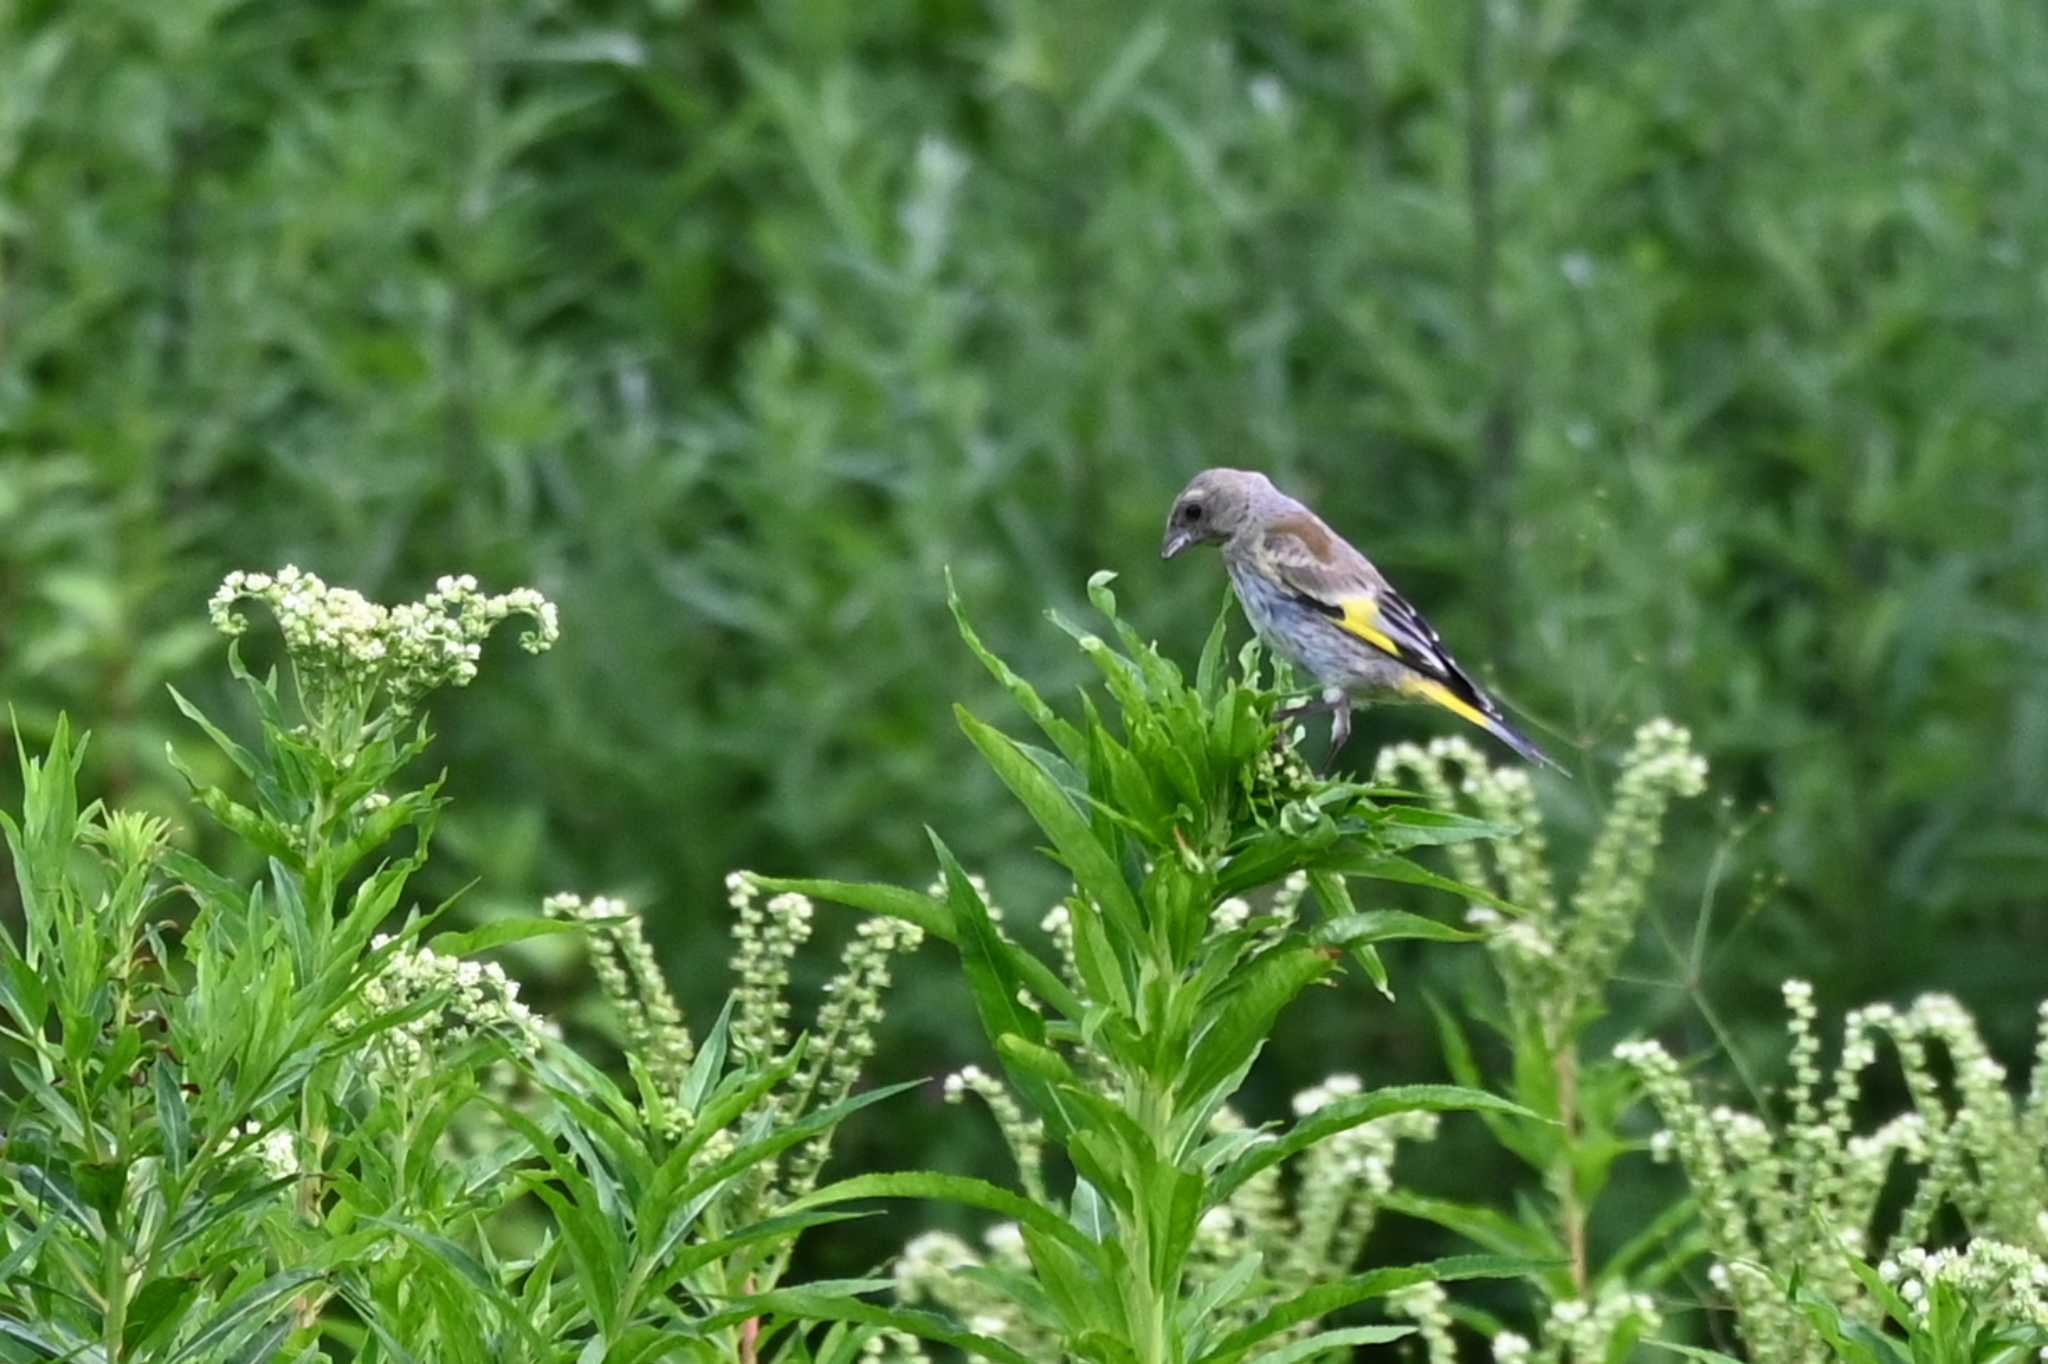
1322, 605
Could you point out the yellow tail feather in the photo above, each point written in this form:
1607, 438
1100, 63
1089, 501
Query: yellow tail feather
1435, 692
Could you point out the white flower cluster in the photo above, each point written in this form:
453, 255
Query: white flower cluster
1058, 924
1286, 906
1279, 776
409, 650
1775, 1202
1230, 913
1025, 1136
631, 978
275, 1152
928, 1259
1342, 1179
1659, 767
1361, 1155
1511, 1347
467, 1000
938, 890
891, 1346
765, 939
1331, 1090
937, 1267
1428, 1306
1555, 965
2004, 1282
845, 1032
1578, 1331
1581, 1332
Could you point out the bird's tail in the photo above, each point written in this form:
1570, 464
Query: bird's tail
1479, 709
1522, 744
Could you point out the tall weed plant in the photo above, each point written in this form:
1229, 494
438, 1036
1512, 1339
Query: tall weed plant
1678, 368
1196, 841
293, 1117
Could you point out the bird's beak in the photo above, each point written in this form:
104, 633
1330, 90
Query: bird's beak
1177, 539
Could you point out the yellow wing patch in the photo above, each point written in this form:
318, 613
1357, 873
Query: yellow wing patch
1359, 616
1429, 689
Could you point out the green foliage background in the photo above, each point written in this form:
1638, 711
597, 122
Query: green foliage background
1686, 360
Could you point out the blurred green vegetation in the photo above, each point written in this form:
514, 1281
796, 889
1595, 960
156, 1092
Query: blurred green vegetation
1676, 360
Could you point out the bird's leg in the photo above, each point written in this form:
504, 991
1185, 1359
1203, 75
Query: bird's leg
1328, 701
1340, 733
1337, 703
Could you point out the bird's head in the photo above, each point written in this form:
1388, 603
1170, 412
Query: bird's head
1215, 505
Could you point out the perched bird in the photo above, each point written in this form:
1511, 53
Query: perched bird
1322, 605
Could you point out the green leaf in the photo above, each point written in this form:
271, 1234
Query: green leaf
673, 1267
1209, 671
1326, 1298
1018, 1053
445, 1252
1532, 1144
499, 933
1220, 1292
1314, 1345
911, 906
1488, 1228
710, 1061
43, 1345
1699, 1354
154, 1309
244, 761
993, 975
968, 1192
1075, 1286
1345, 1114
244, 1312
810, 1304
1416, 826
594, 1250
1064, 736
1091, 1212
1095, 957
1246, 1017
1348, 859
932, 916
170, 1111
1095, 871
1335, 898
1387, 925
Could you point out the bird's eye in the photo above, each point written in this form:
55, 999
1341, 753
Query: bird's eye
1191, 513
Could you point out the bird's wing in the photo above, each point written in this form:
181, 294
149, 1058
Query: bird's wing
1326, 573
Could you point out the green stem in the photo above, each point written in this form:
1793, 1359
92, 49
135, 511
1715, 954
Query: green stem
1564, 1174
1154, 1285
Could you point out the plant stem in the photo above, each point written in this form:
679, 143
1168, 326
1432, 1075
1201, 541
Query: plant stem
1564, 1061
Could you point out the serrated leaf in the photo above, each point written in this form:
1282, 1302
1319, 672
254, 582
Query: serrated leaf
1417, 826
244, 1312
1345, 1114
1326, 1298
1064, 735
1245, 1019
931, 915
1095, 871
498, 933
1314, 1345
1348, 859
961, 1189
811, 1304
1387, 925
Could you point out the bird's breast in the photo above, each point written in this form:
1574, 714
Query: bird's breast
1309, 639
